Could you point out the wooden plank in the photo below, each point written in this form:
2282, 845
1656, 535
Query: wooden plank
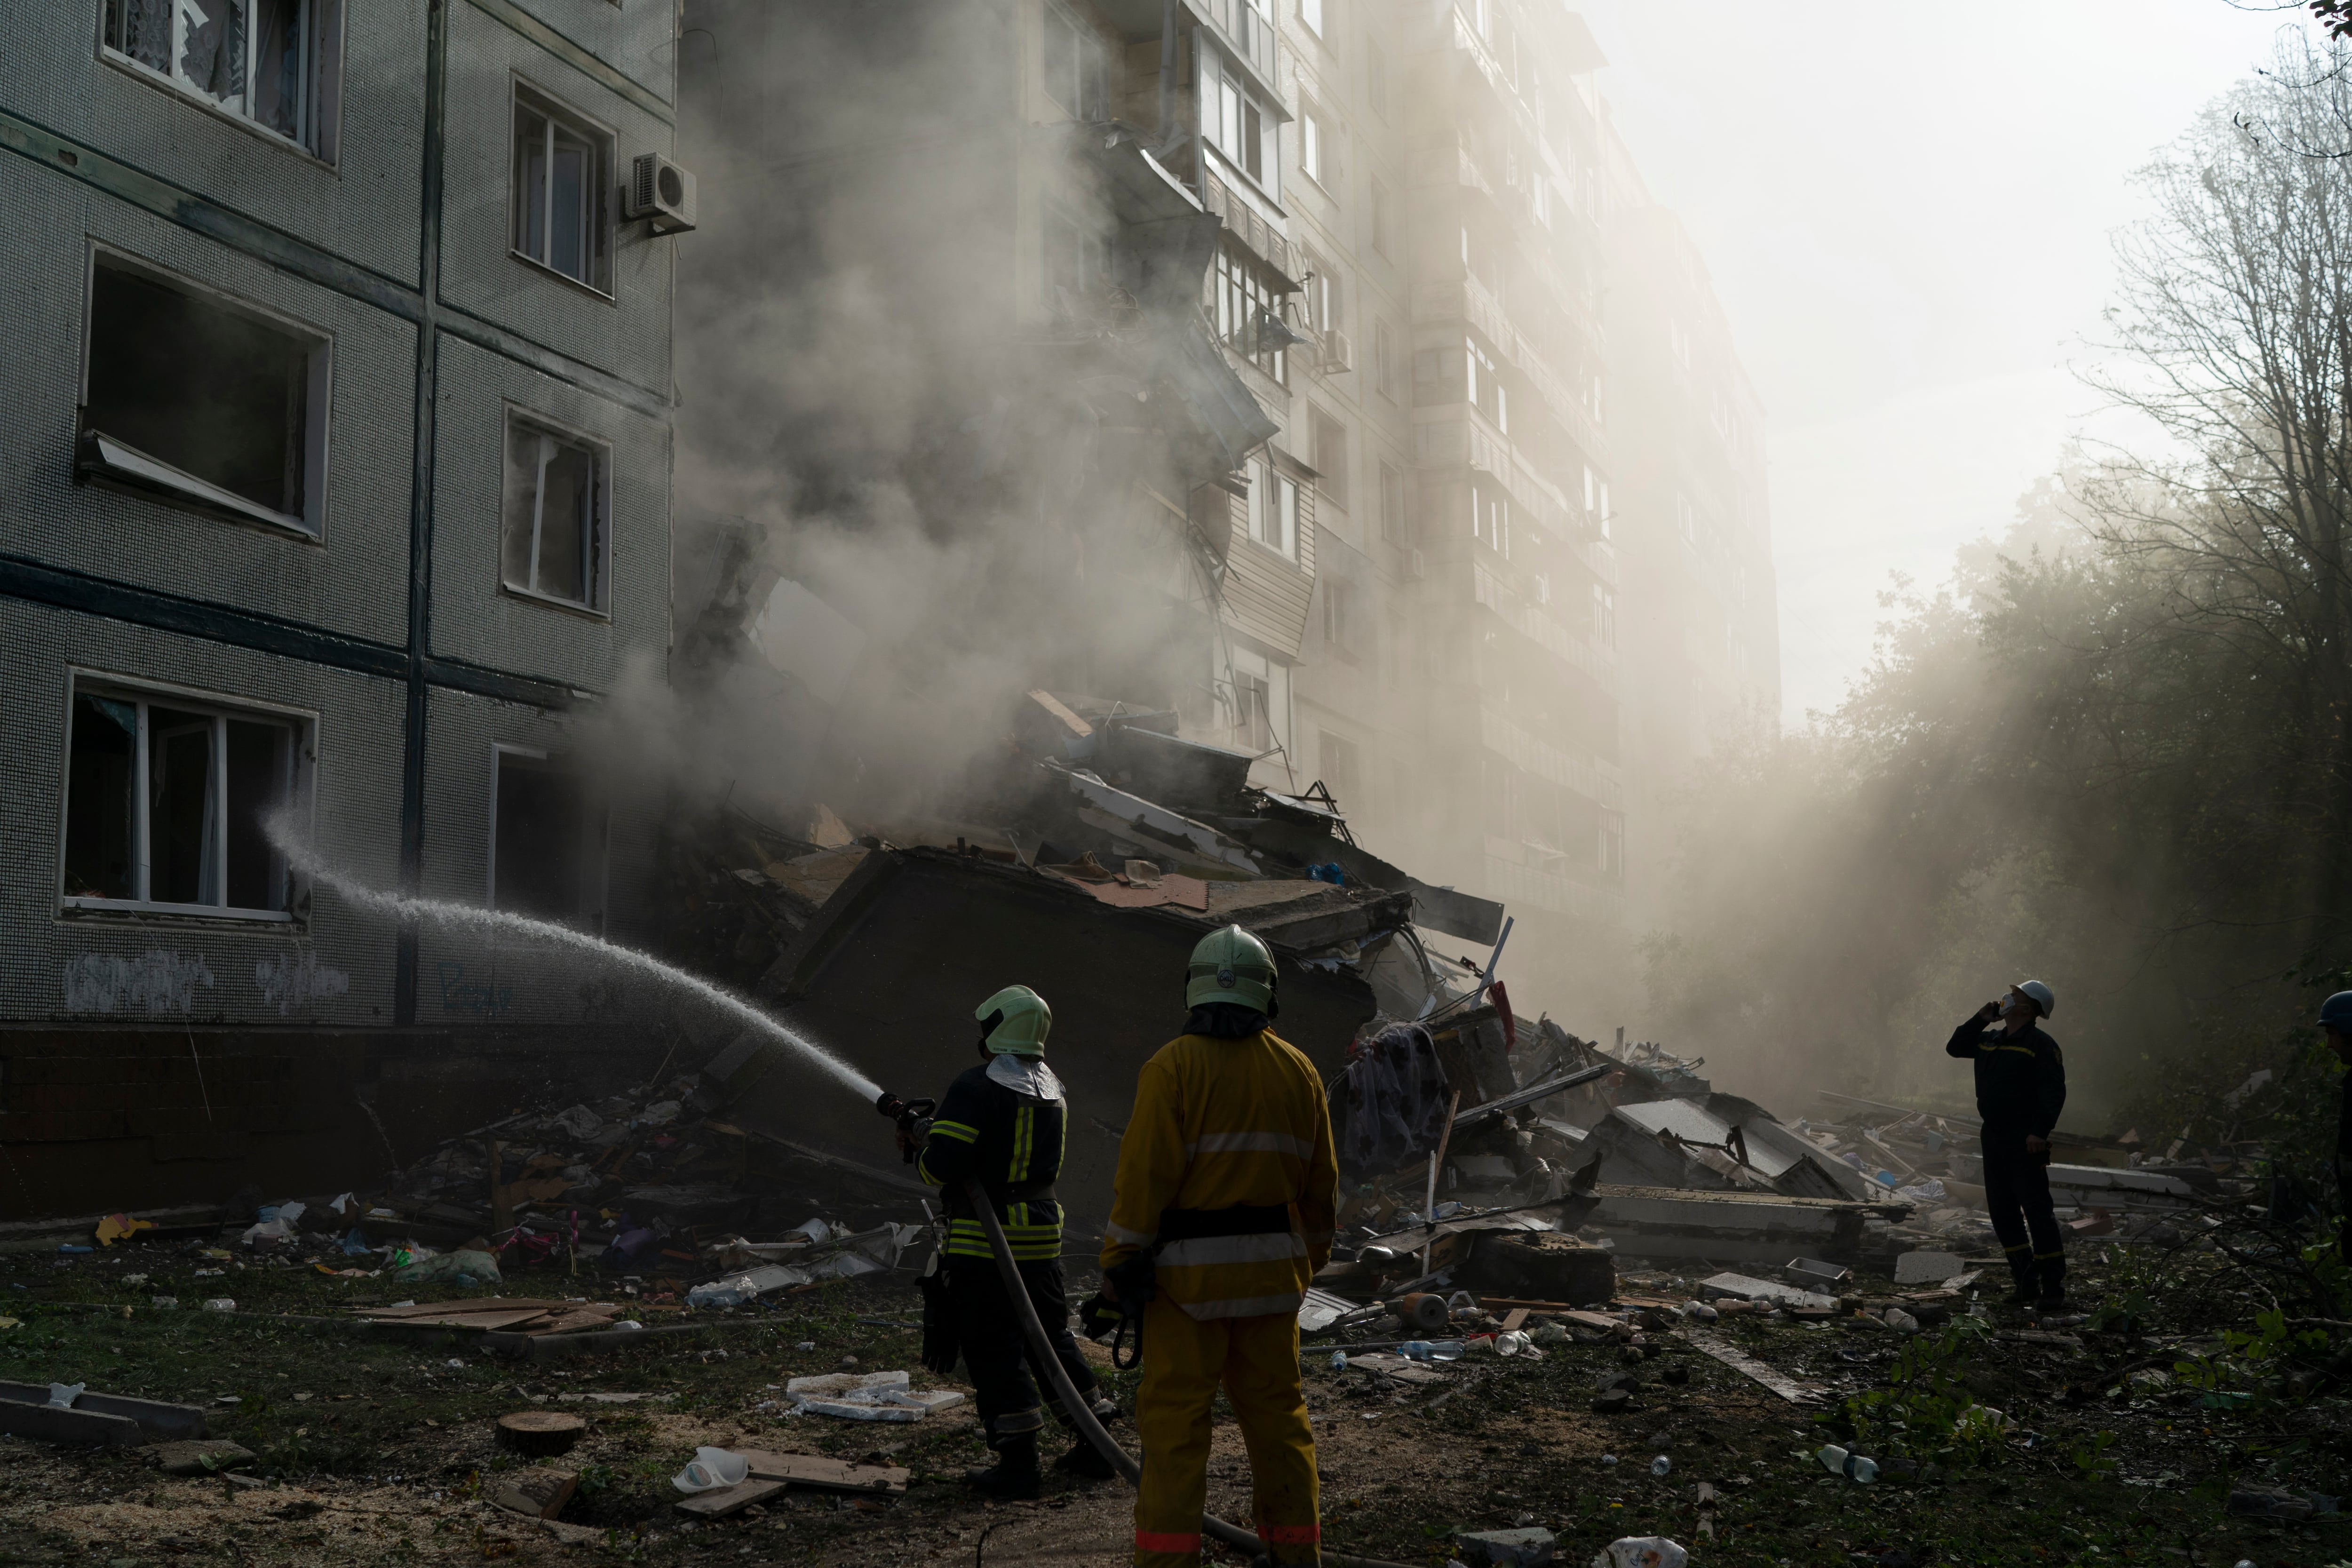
1787, 1388
730, 1500
815, 1471
444, 1309
1513, 1319
484, 1321
48, 1424
577, 1318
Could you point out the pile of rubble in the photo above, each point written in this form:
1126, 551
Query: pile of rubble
650, 1190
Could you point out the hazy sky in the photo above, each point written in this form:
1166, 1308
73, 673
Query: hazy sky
1908, 212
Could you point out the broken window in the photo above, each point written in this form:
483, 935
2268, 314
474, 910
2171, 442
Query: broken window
546, 858
1077, 68
563, 165
1257, 690
1611, 850
168, 803
189, 396
553, 533
256, 59
1274, 510
1604, 616
1246, 302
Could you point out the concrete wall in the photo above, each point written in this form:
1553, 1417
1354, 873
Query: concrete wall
95, 153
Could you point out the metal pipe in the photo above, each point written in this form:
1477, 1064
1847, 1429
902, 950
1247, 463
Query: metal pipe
1081, 1415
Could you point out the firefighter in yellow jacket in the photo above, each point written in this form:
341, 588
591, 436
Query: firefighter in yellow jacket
1226, 1182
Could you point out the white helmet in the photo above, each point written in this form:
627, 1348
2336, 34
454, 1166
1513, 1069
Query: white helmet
2039, 993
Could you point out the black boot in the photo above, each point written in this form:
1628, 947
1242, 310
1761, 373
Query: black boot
1086, 1461
1014, 1474
2053, 1284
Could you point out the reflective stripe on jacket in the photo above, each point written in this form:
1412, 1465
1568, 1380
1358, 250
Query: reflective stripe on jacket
1010, 1140
1219, 1123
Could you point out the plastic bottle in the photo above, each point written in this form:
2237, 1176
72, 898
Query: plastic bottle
1661, 1466
1862, 1467
1414, 1350
1832, 1459
1339, 1361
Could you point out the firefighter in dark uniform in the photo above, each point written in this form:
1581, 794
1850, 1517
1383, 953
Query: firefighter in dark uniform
2021, 1089
2336, 1024
1003, 1121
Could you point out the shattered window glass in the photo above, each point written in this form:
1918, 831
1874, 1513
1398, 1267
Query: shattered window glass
552, 534
255, 59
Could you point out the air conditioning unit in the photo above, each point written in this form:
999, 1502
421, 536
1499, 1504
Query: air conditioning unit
662, 192
1338, 353
1416, 565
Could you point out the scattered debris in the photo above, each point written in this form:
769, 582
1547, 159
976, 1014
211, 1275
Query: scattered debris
540, 1492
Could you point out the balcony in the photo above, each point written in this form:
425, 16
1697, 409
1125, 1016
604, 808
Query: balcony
1598, 664
1529, 875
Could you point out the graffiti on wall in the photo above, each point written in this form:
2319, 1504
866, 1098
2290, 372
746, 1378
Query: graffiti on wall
157, 982
287, 983
475, 998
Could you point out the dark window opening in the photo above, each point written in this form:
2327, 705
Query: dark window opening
101, 773
539, 859
216, 394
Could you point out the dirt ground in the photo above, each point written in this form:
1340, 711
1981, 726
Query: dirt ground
375, 1451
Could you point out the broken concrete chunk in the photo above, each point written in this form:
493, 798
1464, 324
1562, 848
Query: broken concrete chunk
203, 1456
1927, 1267
1530, 1548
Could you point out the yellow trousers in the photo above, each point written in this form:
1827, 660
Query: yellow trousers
1256, 1359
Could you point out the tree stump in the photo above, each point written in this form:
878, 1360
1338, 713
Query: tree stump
540, 1434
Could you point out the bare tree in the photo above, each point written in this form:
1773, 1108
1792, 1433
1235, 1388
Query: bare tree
2236, 312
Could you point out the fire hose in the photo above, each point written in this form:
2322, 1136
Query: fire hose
1081, 1415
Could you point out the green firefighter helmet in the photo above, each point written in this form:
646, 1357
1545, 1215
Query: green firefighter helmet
1014, 1022
1230, 965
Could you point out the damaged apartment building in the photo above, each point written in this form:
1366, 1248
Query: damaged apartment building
1315, 370
336, 489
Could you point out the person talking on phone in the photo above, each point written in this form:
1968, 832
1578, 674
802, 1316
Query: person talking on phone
2020, 1090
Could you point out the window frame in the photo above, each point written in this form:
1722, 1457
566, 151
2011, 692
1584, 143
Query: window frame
600, 449
321, 75
110, 460
595, 828
1238, 103
1274, 520
1090, 50
301, 793
603, 187
1243, 290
